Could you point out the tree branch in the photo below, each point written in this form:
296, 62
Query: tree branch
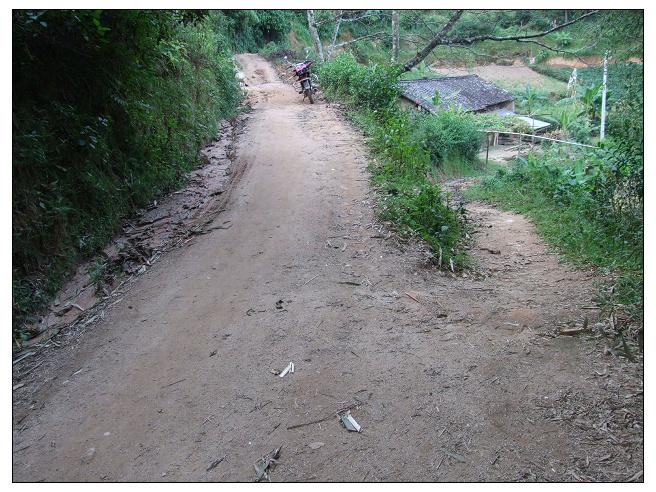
521, 37
372, 35
351, 19
440, 38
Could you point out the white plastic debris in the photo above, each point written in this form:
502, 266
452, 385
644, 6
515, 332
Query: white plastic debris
288, 369
349, 422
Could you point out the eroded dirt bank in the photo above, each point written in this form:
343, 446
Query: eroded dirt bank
451, 378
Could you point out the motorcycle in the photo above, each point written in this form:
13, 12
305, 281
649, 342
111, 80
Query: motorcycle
302, 72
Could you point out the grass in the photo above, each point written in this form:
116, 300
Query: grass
548, 86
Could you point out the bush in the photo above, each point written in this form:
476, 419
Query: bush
449, 135
109, 110
590, 206
373, 87
408, 198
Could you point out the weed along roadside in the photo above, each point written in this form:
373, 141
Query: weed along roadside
404, 148
352, 287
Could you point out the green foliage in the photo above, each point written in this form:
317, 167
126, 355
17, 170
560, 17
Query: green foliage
579, 116
529, 97
591, 98
448, 135
561, 73
625, 120
562, 39
109, 110
249, 30
618, 30
373, 87
620, 75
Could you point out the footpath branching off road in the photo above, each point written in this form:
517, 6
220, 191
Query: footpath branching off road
458, 377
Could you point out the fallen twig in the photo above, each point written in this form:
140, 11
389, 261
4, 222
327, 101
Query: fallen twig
412, 297
175, 382
216, 463
311, 279
332, 416
24, 356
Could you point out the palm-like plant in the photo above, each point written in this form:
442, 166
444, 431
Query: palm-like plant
529, 97
591, 99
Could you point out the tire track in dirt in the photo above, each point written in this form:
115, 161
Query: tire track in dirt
451, 376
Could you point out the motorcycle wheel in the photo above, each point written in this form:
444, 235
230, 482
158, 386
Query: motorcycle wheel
309, 95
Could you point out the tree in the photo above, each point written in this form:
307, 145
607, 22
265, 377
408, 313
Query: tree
395, 36
314, 32
333, 42
340, 17
444, 37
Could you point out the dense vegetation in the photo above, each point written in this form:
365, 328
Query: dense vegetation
622, 34
109, 110
589, 205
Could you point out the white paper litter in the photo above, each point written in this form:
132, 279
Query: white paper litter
289, 368
349, 422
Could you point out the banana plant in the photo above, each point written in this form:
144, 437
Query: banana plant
567, 117
529, 97
591, 99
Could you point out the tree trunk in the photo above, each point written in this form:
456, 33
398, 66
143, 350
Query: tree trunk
312, 24
395, 36
333, 42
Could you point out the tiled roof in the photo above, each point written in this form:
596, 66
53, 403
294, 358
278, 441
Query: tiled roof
468, 92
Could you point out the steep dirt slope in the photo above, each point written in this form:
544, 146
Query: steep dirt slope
451, 378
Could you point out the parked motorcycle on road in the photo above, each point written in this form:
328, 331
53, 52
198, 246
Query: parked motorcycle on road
302, 72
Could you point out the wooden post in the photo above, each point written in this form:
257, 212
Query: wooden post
487, 151
519, 147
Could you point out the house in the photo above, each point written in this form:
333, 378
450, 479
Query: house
467, 92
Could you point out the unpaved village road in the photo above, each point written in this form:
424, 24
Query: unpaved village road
454, 375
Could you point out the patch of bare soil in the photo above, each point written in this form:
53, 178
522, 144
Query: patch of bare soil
578, 62
494, 72
459, 377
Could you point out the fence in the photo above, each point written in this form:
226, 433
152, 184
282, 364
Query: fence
532, 137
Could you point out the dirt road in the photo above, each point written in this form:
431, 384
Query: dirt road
454, 377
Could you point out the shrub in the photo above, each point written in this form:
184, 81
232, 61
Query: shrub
373, 87
409, 200
109, 110
449, 135
590, 206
